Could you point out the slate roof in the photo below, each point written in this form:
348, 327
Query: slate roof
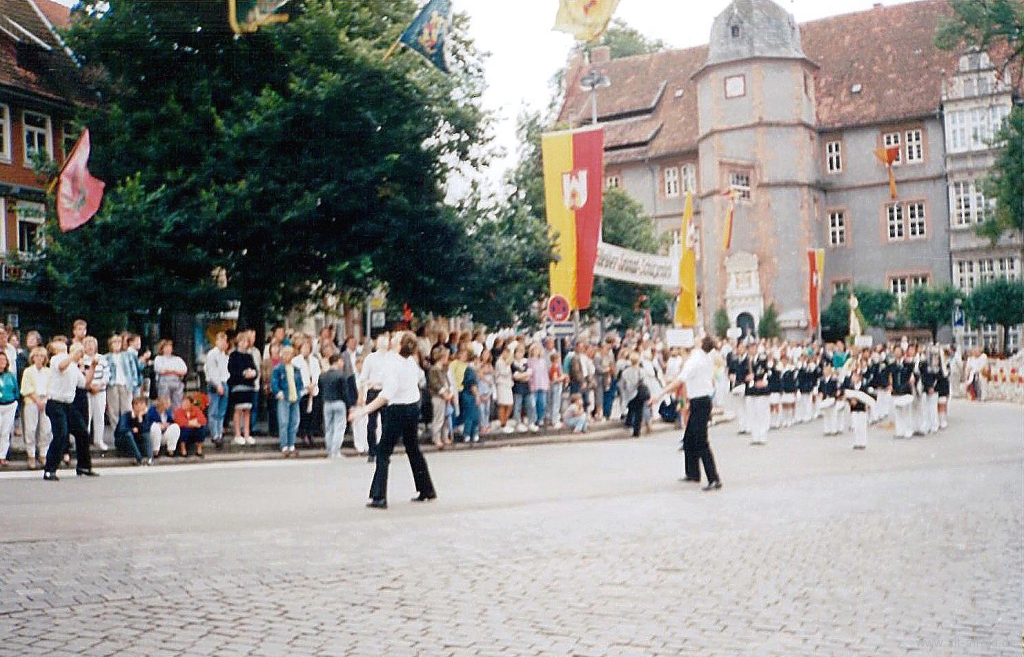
888, 51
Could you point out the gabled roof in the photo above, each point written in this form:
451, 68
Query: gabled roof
33, 60
888, 51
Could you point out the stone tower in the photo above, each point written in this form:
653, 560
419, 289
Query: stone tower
758, 137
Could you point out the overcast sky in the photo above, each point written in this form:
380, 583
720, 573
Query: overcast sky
525, 52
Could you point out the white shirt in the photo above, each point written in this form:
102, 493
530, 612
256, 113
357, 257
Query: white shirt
698, 374
309, 369
170, 363
402, 378
62, 385
372, 376
216, 367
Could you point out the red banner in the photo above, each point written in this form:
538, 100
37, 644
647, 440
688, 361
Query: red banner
588, 155
78, 194
816, 266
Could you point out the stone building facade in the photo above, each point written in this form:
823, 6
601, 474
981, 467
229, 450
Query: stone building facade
787, 118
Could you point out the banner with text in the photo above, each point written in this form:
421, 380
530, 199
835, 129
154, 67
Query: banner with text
622, 264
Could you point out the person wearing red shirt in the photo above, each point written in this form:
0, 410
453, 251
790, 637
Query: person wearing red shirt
192, 421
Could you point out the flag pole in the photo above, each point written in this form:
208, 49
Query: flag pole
392, 49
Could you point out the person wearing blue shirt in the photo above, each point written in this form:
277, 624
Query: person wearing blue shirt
8, 405
132, 433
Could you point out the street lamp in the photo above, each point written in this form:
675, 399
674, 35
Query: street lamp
591, 82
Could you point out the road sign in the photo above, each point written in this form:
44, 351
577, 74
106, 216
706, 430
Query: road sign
558, 308
959, 318
561, 329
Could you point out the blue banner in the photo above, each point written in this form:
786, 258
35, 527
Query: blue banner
429, 32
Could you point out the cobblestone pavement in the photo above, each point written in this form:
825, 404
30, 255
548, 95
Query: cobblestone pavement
912, 547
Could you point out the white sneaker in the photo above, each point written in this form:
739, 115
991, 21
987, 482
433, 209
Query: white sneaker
476, 439
103, 446
557, 425
238, 440
250, 441
534, 428
292, 449
508, 429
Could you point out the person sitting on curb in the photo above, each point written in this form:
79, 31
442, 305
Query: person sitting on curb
163, 432
192, 421
131, 436
575, 414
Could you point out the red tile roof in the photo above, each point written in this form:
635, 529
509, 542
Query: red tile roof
56, 13
48, 71
888, 51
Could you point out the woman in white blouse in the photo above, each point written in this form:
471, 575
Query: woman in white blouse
34, 384
308, 366
170, 373
400, 399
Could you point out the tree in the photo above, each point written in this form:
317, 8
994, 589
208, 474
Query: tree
721, 322
768, 326
997, 28
623, 304
625, 41
294, 160
999, 302
876, 305
931, 307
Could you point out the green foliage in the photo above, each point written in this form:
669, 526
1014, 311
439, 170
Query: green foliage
294, 159
997, 302
768, 326
620, 303
1006, 180
996, 27
721, 322
625, 41
931, 307
876, 306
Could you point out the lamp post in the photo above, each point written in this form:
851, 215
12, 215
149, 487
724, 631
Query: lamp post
591, 82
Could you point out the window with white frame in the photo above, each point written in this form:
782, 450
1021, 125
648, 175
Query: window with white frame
671, 182
739, 182
5, 133
964, 275
914, 146
69, 134
986, 270
969, 203
974, 129
900, 286
840, 286
957, 132
915, 220
38, 135
611, 182
735, 86
688, 173
894, 216
834, 156
892, 140
836, 228
31, 217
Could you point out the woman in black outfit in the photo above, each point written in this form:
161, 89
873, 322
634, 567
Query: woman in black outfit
242, 375
400, 399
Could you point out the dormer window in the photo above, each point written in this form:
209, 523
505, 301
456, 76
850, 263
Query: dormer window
735, 31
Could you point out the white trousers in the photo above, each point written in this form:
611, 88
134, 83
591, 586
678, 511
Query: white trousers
38, 433
97, 413
860, 428
804, 407
904, 417
930, 413
760, 420
884, 405
168, 437
843, 409
7, 413
831, 415
739, 406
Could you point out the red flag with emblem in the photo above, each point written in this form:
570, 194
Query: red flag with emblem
887, 156
79, 194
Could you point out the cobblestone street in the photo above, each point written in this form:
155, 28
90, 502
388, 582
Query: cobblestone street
912, 547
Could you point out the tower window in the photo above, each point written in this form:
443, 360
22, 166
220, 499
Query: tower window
735, 31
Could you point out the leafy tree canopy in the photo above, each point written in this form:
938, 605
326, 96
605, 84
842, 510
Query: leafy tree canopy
625, 41
931, 307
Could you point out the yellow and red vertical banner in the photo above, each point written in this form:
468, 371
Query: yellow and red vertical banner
816, 266
686, 307
573, 187
887, 156
730, 215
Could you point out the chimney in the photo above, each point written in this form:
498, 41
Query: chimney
600, 55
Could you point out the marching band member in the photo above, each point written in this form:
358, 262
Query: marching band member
942, 389
738, 364
806, 381
903, 383
859, 408
929, 372
828, 389
788, 378
757, 389
774, 392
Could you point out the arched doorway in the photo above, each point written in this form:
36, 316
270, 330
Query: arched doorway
746, 323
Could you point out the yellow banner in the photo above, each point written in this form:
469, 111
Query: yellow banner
585, 19
686, 308
556, 150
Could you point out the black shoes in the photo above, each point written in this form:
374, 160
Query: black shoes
424, 498
87, 473
690, 480
712, 485
377, 504
50, 476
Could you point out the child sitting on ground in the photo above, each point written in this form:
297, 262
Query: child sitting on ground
131, 436
575, 414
